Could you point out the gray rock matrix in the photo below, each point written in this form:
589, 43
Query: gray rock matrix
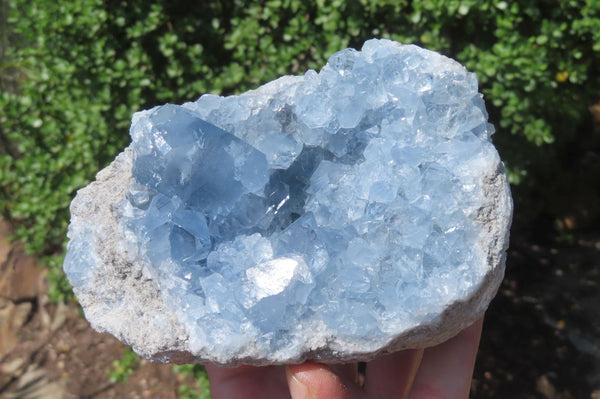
348, 213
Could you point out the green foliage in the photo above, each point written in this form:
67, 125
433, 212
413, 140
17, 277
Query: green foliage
59, 289
72, 73
122, 368
201, 390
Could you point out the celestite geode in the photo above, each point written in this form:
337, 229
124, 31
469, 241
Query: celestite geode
331, 216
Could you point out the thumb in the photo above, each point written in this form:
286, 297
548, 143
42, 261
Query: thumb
316, 381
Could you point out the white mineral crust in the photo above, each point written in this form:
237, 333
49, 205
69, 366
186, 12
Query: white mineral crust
333, 216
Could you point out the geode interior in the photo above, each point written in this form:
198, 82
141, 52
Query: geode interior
329, 216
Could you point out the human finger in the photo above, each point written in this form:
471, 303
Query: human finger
318, 381
247, 382
446, 370
391, 376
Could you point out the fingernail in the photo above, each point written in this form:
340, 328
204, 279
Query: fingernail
297, 389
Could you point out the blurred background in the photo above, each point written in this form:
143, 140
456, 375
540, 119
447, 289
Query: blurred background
72, 73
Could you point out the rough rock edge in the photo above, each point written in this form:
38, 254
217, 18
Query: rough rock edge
142, 320
139, 318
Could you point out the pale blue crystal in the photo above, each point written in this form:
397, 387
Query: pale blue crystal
386, 191
344, 200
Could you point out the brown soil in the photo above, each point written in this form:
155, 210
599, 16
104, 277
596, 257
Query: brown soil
50, 351
540, 340
542, 333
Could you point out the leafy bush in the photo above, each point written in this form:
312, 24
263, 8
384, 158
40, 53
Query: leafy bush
122, 368
201, 388
72, 73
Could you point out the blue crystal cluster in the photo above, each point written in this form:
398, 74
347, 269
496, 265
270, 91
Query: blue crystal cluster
341, 203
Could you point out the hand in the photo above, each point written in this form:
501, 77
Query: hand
443, 371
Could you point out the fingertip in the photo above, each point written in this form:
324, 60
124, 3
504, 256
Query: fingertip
247, 382
313, 380
446, 370
297, 380
392, 375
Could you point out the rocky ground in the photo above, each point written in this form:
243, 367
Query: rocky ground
541, 338
542, 333
49, 350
